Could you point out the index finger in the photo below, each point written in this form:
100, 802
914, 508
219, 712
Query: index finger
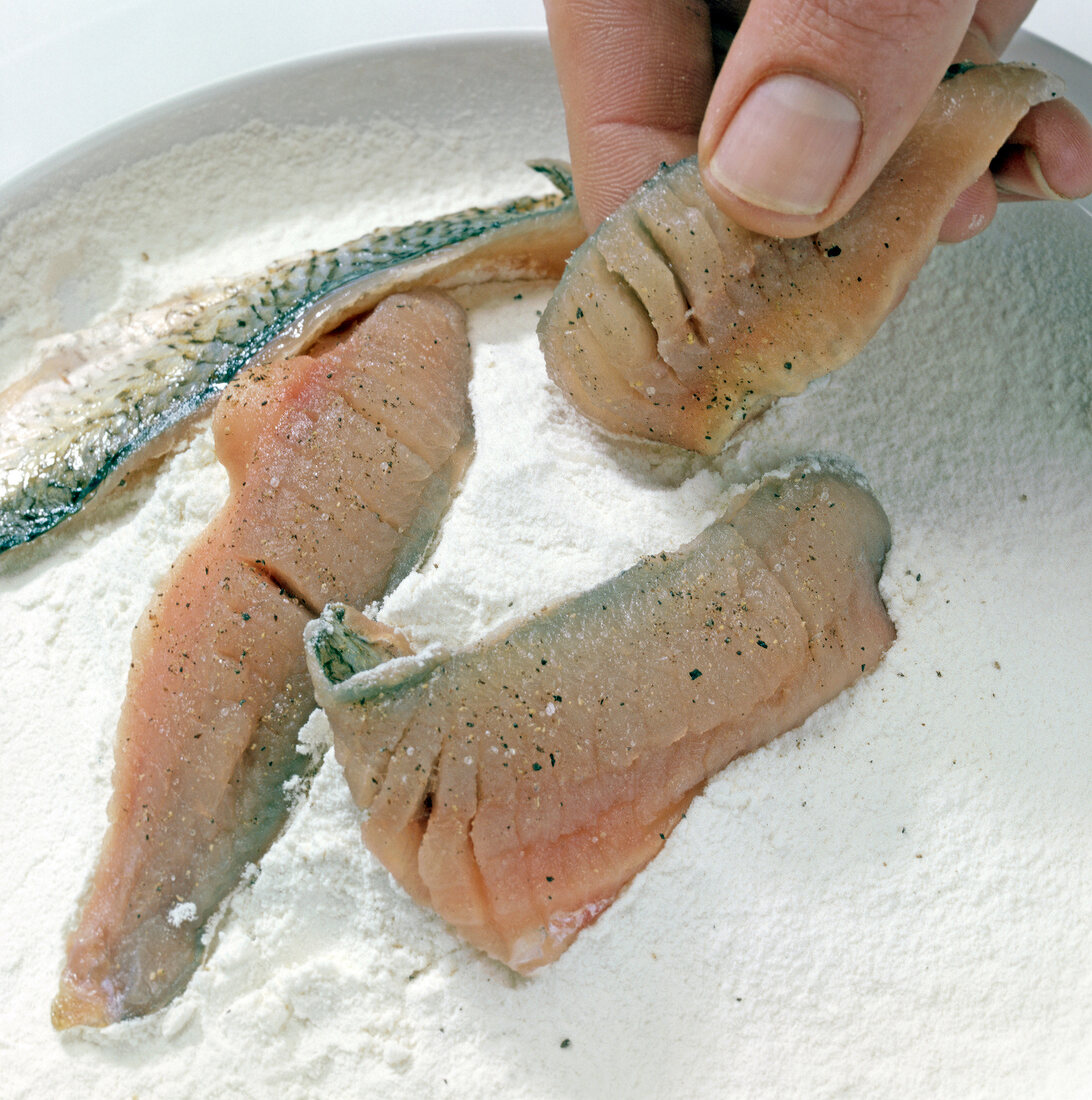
635, 77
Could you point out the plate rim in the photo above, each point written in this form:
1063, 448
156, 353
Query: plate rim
34, 184
48, 173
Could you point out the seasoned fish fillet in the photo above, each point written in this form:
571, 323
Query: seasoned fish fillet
673, 323
517, 786
63, 436
340, 467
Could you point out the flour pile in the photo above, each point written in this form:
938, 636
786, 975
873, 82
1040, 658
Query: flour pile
892, 899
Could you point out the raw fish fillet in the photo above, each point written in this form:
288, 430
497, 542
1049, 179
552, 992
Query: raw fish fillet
673, 323
67, 433
340, 467
516, 787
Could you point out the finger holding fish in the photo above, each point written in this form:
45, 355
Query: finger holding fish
676, 323
793, 108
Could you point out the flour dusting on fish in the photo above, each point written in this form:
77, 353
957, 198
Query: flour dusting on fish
674, 323
341, 466
63, 437
516, 786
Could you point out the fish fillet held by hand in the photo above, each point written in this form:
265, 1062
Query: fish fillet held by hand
516, 787
340, 466
673, 323
63, 436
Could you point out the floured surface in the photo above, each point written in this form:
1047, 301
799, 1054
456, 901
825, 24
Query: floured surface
893, 899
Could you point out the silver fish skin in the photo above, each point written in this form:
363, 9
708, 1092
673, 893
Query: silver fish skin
61, 443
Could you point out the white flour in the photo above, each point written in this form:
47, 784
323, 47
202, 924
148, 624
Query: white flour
893, 900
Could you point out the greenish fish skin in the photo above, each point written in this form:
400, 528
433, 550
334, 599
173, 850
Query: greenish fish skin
86, 436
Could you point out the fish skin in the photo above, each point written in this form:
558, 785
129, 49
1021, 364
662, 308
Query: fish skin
60, 443
675, 324
517, 786
325, 503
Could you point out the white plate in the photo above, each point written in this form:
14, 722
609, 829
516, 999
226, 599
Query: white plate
449, 81
68, 68
895, 906
358, 83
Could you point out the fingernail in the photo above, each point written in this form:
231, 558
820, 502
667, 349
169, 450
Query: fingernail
789, 146
1017, 171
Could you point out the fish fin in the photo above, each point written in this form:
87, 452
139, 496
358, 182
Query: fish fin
557, 172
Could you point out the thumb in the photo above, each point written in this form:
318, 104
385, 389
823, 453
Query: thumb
813, 99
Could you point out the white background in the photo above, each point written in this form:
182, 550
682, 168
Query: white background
70, 67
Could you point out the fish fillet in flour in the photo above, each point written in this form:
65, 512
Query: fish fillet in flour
340, 466
66, 433
673, 323
517, 786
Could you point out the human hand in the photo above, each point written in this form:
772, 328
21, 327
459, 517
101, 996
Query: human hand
811, 101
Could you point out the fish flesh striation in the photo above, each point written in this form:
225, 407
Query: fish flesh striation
673, 323
517, 786
62, 438
340, 466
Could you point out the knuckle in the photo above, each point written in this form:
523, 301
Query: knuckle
876, 23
